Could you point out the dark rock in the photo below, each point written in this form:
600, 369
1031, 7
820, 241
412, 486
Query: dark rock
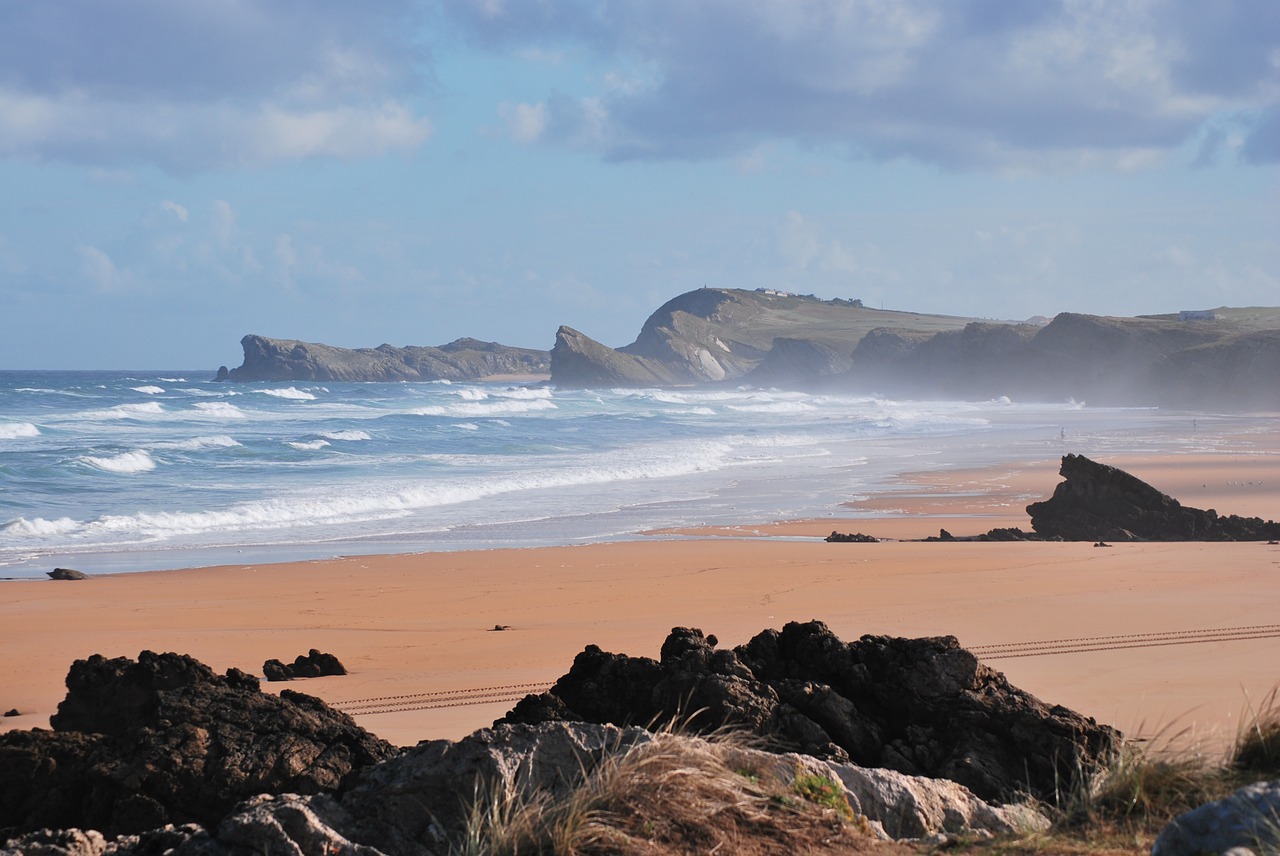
164, 740
67, 574
223, 375
501, 627
12, 712
1101, 503
314, 665
855, 538
920, 706
1007, 534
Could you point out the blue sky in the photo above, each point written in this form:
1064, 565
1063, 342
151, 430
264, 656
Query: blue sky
177, 174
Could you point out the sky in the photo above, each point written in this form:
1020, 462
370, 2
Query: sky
175, 174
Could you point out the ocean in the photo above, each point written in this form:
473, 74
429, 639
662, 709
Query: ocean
128, 471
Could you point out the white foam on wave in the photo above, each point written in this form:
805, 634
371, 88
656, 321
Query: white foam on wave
308, 445
289, 392
470, 393
196, 444
773, 407
208, 393
219, 410
333, 508
124, 411
17, 430
467, 426
148, 390
523, 393
40, 527
350, 435
126, 462
513, 407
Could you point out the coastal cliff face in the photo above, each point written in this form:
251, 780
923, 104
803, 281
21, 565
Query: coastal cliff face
464, 359
1230, 361
1226, 363
715, 334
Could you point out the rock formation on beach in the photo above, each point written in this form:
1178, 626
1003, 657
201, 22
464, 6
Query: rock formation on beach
167, 756
313, 664
1097, 502
138, 744
461, 360
922, 707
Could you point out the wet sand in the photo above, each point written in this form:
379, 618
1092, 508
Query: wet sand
412, 628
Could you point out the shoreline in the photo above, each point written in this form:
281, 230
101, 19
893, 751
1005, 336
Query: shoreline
423, 623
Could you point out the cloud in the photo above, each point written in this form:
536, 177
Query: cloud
1262, 145
189, 137
805, 248
1060, 84
175, 209
525, 122
102, 273
194, 86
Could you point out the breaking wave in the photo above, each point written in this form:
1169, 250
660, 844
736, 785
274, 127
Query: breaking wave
125, 462
196, 444
508, 407
17, 430
346, 435
289, 392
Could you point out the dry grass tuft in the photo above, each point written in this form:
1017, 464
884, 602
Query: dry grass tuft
672, 794
1257, 747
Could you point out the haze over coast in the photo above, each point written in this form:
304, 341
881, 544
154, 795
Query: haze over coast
534, 353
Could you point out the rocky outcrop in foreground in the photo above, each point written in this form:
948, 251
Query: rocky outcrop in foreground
417, 803
163, 755
1099, 502
165, 740
462, 360
923, 707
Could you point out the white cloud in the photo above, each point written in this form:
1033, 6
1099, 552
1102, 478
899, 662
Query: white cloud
190, 137
806, 248
526, 123
101, 272
190, 87
175, 209
224, 222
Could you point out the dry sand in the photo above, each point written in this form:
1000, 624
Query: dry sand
407, 626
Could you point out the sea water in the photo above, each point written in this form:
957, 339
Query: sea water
124, 471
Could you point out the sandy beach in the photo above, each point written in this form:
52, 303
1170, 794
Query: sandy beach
1190, 633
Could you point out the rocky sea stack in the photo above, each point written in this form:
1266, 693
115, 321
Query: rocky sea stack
1099, 502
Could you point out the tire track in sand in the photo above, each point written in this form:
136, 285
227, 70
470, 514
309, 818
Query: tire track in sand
511, 693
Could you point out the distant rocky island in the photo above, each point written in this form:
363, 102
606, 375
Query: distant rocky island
464, 359
1225, 358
